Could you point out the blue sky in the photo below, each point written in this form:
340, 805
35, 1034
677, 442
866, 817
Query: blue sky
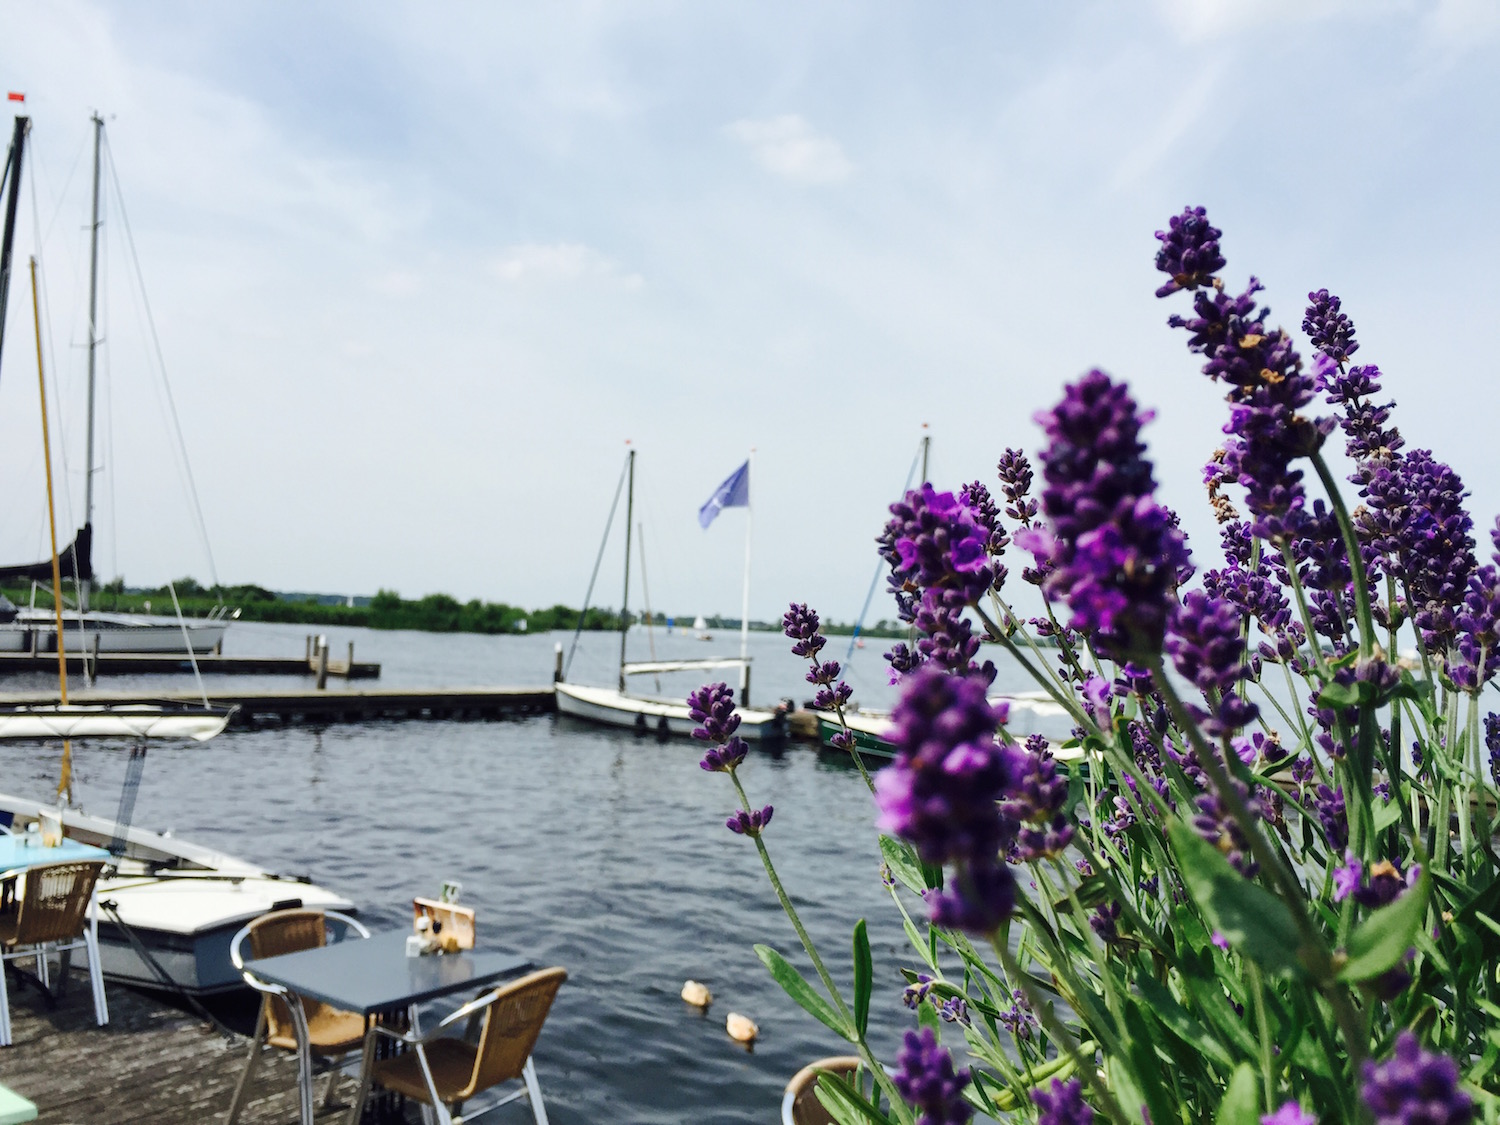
419, 272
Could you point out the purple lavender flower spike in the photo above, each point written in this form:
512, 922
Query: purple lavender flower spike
955, 1009
1492, 744
1019, 1017
800, 624
1330, 330
941, 793
1476, 658
925, 1077
712, 708
1189, 253
1347, 877
743, 823
1413, 1087
1290, 1113
725, 758
1113, 553
1016, 476
1063, 1105
1205, 643
1268, 389
933, 540
914, 993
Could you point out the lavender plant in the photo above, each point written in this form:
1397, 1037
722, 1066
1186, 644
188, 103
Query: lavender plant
1259, 882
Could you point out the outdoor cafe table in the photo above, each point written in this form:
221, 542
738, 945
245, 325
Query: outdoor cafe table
16, 854
21, 853
374, 977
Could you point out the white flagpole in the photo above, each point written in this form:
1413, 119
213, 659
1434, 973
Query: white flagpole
745, 601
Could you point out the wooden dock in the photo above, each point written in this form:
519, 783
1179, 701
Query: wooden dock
150, 1063
309, 707
148, 663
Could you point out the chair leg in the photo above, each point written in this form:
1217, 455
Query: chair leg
41, 969
366, 1063
334, 1074
4, 1004
534, 1092
96, 979
244, 1082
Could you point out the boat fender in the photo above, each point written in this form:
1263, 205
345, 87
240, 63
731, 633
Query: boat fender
640, 723
663, 728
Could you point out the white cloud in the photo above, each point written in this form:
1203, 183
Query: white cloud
790, 147
1464, 24
560, 261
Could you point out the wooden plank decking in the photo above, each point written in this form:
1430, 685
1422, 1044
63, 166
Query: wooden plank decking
151, 1063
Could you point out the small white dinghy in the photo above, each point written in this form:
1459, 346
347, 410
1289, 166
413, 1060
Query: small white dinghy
169, 907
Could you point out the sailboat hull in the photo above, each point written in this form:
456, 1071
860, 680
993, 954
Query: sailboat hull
656, 716
180, 902
116, 632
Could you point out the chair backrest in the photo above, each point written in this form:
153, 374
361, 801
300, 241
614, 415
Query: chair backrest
55, 902
800, 1105
512, 1022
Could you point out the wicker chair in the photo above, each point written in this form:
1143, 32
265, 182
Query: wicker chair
50, 913
443, 1072
800, 1105
288, 1021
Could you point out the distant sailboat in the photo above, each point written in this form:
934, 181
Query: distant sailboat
31, 628
700, 629
650, 714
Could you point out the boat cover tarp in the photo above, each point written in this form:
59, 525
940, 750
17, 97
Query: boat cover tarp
76, 560
134, 721
658, 666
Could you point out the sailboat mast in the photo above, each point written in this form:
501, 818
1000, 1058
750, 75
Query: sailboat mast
88, 463
12, 176
745, 599
625, 597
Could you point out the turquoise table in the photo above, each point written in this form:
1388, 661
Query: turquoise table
16, 856
15, 1109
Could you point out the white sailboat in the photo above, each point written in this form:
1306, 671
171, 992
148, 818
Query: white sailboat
33, 629
172, 906
657, 715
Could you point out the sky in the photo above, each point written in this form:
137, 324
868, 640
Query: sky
417, 272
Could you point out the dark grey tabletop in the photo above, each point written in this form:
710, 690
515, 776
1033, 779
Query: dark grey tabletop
375, 975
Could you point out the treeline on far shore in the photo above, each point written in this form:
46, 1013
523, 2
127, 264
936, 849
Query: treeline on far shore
435, 613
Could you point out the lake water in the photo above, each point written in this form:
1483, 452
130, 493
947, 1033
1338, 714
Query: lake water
579, 846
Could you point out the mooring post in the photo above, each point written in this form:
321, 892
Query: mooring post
349, 671
90, 675
309, 647
745, 685
322, 663
557, 663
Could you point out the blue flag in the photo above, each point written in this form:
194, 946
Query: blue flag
733, 493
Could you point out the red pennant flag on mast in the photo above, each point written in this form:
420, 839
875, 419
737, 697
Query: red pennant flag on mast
15, 97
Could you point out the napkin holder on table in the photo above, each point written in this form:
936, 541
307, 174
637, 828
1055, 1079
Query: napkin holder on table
451, 927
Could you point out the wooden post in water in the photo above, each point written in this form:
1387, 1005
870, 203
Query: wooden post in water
557, 663
349, 668
322, 663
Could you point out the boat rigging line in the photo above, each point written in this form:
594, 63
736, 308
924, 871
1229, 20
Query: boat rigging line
921, 456
161, 363
599, 558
